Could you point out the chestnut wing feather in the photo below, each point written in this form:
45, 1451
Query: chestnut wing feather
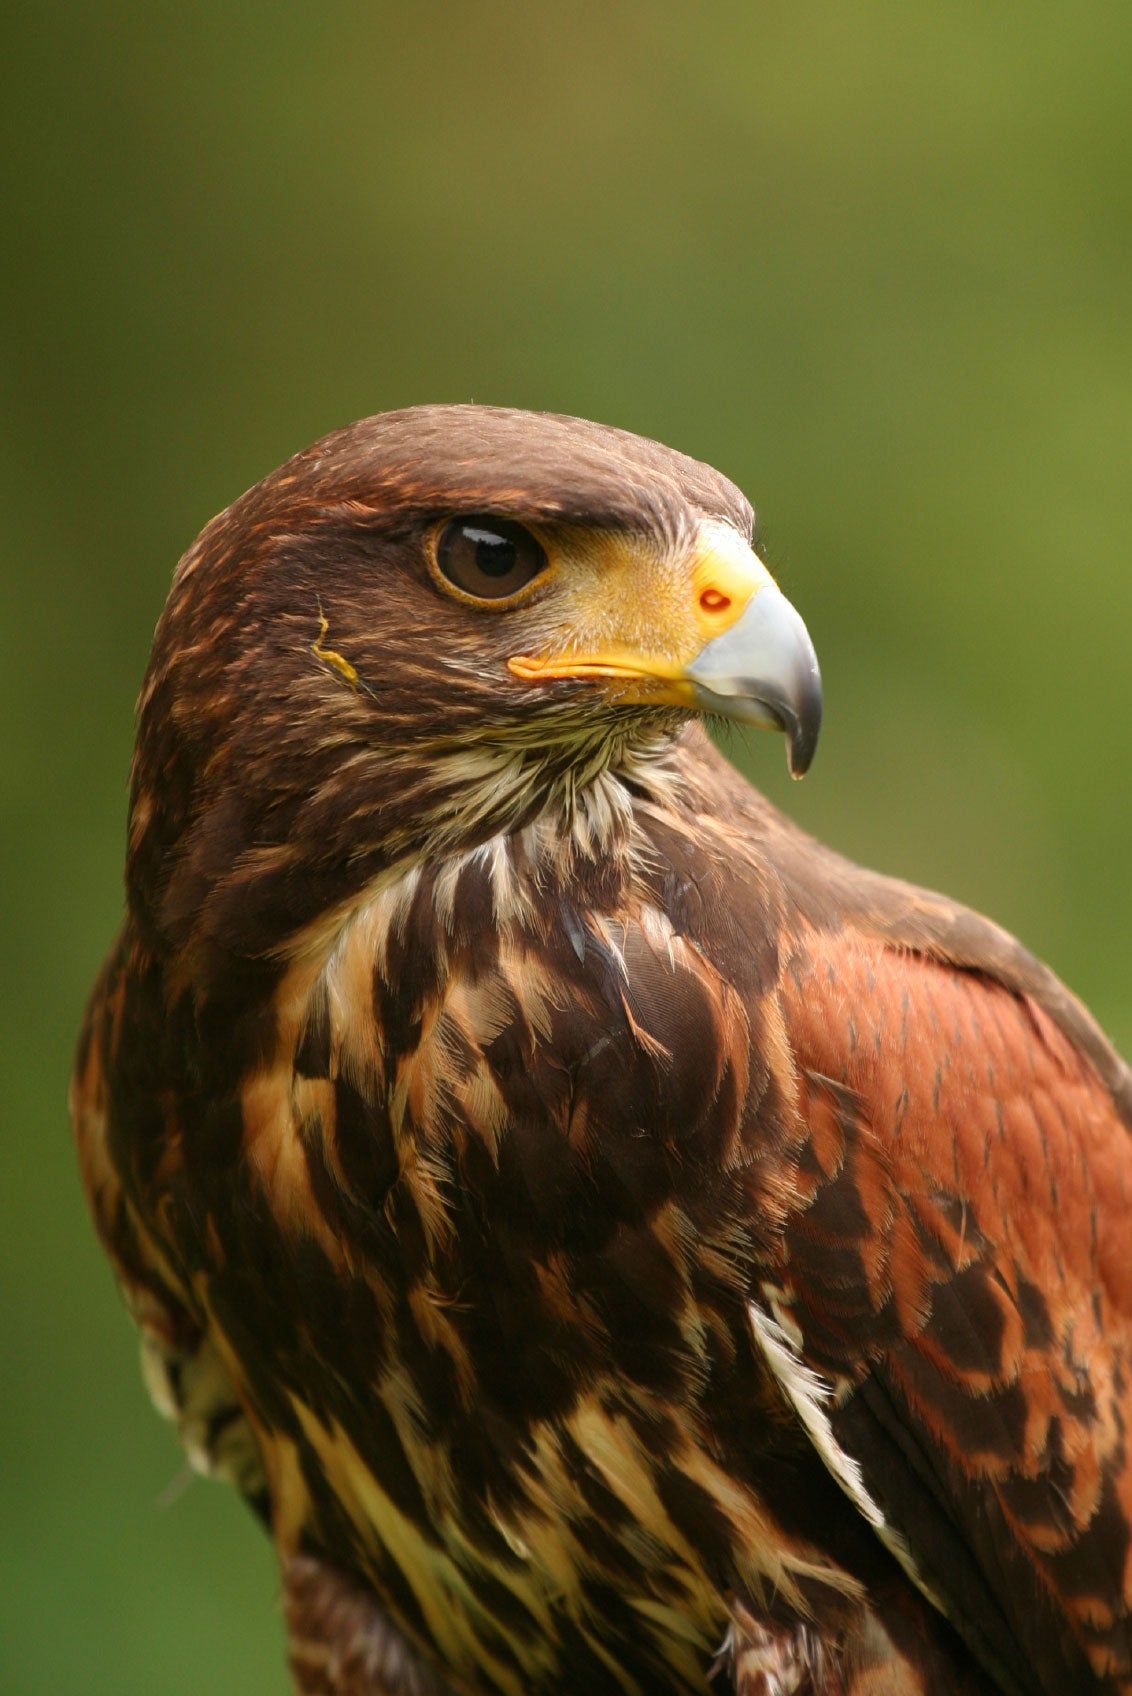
956, 1267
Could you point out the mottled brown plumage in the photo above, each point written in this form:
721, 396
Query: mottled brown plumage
615, 1244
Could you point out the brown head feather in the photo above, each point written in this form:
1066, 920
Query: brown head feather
306, 671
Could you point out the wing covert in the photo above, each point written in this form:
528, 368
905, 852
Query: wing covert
955, 1269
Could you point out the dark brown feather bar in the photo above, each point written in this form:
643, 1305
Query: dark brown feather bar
615, 1244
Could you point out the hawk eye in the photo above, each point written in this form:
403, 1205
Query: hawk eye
487, 557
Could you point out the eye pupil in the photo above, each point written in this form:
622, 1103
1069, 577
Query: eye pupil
488, 558
495, 555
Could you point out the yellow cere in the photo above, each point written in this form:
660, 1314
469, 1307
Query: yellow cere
643, 617
726, 573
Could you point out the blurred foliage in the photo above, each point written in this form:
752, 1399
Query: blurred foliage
873, 261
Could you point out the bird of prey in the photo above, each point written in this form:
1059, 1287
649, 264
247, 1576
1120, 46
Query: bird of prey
615, 1244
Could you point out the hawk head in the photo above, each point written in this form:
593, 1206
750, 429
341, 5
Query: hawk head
417, 632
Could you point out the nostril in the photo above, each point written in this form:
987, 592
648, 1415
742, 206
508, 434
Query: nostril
714, 600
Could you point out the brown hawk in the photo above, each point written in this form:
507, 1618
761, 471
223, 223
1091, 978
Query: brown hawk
616, 1245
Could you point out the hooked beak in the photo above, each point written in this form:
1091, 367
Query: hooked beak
764, 671
726, 641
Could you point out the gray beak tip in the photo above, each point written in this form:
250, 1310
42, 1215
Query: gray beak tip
802, 724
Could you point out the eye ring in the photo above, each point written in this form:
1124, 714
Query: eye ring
485, 560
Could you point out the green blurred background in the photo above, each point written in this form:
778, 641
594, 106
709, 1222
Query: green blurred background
873, 261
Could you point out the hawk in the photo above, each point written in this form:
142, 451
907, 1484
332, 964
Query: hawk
615, 1244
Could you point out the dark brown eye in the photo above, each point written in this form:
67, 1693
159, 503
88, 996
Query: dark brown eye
487, 557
